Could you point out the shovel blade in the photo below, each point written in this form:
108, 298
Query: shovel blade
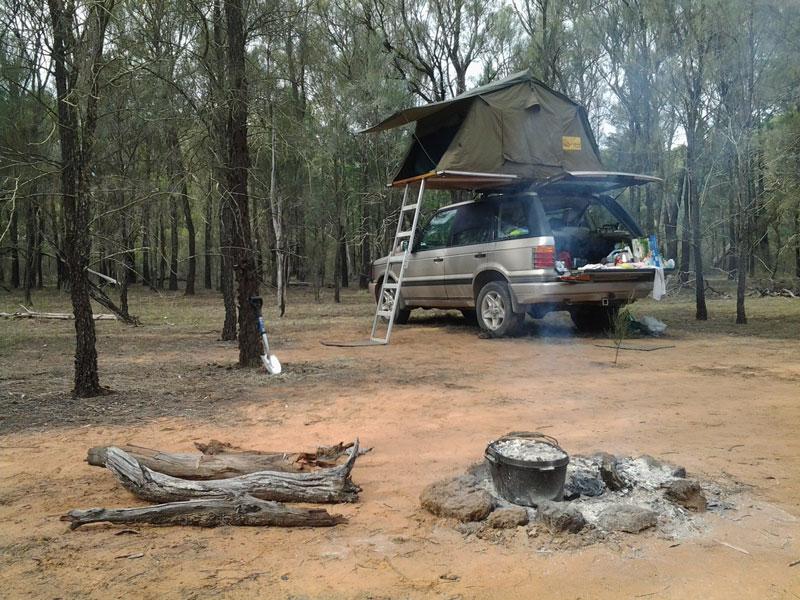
271, 364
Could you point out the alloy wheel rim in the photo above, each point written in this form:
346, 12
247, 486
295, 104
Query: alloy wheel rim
493, 310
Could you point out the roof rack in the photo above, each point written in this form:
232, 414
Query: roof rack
459, 180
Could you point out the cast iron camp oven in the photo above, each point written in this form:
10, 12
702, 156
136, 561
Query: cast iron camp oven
527, 482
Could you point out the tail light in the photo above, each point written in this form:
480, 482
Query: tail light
544, 257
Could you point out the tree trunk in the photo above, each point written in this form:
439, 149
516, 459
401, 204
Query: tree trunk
238, 165
212, 512
323, 486
162, 251
40, 235
14, 235
701, 312
343, 259
30, 246
226, 270
208, 240
797, 242
192, 266
146, 249
173, 255
671, 221
276, 210
75, 157
685, 264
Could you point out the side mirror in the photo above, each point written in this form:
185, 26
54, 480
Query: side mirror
404, 245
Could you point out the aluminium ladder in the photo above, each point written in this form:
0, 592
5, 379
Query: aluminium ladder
391, 289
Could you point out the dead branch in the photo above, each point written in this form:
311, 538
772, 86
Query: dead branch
209, 512
324, 486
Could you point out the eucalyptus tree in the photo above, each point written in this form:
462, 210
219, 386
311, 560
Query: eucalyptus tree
78, 40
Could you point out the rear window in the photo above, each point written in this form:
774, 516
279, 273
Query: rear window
514, 219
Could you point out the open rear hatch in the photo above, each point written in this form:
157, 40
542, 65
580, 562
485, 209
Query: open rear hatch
582, 183
577, 237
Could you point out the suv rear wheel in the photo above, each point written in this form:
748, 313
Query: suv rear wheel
594, 318
494, 312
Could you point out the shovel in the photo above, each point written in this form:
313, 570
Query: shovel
271, 362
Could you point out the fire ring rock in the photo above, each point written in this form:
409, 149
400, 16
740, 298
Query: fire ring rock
457, 498
686, 493
609, 473
508, 518
626, 517
558, 516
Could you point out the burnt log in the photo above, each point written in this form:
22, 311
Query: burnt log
323, 486
209, 512
220, 460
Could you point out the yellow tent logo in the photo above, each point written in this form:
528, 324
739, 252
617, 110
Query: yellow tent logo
570, 143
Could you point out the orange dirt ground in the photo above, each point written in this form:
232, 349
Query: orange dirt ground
725, 403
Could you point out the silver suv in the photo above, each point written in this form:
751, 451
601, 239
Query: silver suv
495, 258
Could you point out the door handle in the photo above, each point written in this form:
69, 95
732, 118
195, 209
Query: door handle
480, 255
438, 259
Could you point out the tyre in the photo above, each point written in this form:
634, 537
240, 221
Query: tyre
495, 313
402, 315
594, 318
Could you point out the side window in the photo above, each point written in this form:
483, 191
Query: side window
437, 232
513, 220
475, 224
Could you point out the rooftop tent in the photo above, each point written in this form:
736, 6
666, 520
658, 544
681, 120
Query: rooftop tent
516, 127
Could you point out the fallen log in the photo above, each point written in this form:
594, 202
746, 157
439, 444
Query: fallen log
220, 460
324, 486
32, 314
209, 512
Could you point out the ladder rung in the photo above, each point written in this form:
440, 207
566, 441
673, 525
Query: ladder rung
379, 340
397, 259
404, 234
389, 285
410, 206
385, 313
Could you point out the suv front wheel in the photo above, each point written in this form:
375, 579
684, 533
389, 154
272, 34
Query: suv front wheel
385, 303
495, 314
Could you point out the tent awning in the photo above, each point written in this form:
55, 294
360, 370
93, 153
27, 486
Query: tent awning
458, 180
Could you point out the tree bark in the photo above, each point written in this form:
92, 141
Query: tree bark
211, 512
323, 486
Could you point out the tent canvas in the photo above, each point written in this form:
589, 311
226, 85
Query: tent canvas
516, 126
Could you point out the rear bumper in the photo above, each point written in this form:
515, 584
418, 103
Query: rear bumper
558, 292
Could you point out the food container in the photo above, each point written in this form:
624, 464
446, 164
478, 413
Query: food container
527, 467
